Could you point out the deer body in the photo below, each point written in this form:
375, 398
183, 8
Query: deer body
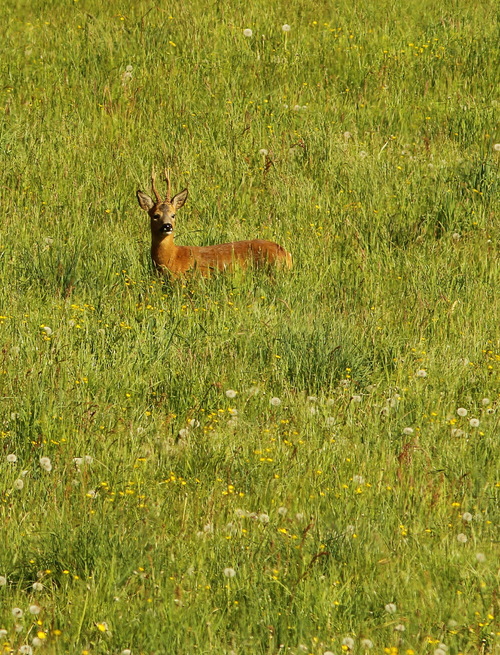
167, 256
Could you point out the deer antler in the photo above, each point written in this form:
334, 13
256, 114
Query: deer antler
169, 189
153, 185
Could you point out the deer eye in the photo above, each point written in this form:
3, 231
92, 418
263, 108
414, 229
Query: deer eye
156, 216
173, 215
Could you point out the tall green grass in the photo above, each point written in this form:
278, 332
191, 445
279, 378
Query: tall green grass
260, 463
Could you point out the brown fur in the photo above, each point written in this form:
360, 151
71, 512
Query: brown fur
167, 256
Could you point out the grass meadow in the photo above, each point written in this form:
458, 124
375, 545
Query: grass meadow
297, 462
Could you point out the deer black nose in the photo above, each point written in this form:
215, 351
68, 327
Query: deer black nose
167, 228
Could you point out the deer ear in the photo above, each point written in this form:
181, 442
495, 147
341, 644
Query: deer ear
179, 199
145, 201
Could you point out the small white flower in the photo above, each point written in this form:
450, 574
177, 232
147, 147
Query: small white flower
400, 627
485, 401
474, 422
363, 154
91, 493
330, 420
344, 383
391, 608
208, 528
18, 484
12, 458
421, 373
408, 431
358, 479
263, 152
254, 391
461, 411
367, 643
275, 402
88, 459
3, 581
126, 651
496, 147
233, 412
71, 322
229, 572
78, 461
467, 516
347, 136
348, 642
231, 393
313, 410
456, 236
47, 330
183, 433
247, 32
46, 464
34, 609
312, 399
462, 538
457, 432
286, 28
129, 68
17, 612
37, 586
481, 557
193, 423
296, 108
282, 511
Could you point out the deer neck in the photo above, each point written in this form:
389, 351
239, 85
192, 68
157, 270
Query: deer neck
163, 250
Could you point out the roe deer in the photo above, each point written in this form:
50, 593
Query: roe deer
205, 259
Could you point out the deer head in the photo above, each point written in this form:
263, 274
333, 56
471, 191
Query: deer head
161, 212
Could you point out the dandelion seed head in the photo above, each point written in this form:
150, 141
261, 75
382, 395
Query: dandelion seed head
400, 627
358, 479
282, 511
363, 154
391, 608
474, 422
34, 609
263, 518
18, 484
263, 152
356, 399
231, 393
481, 557
275, 402
3, 581
37, 586
126, 651
367, 643
421, 373
348, 642
46, 464
37, 642
286, 27
25, 649
17, 612
457, 432
496, 147
229, 572
247, 32
461, 411
47, 330
183, 433
462, 538
467, 516
456, 236
11, 458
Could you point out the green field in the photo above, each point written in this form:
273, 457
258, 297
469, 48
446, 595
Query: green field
290, 462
